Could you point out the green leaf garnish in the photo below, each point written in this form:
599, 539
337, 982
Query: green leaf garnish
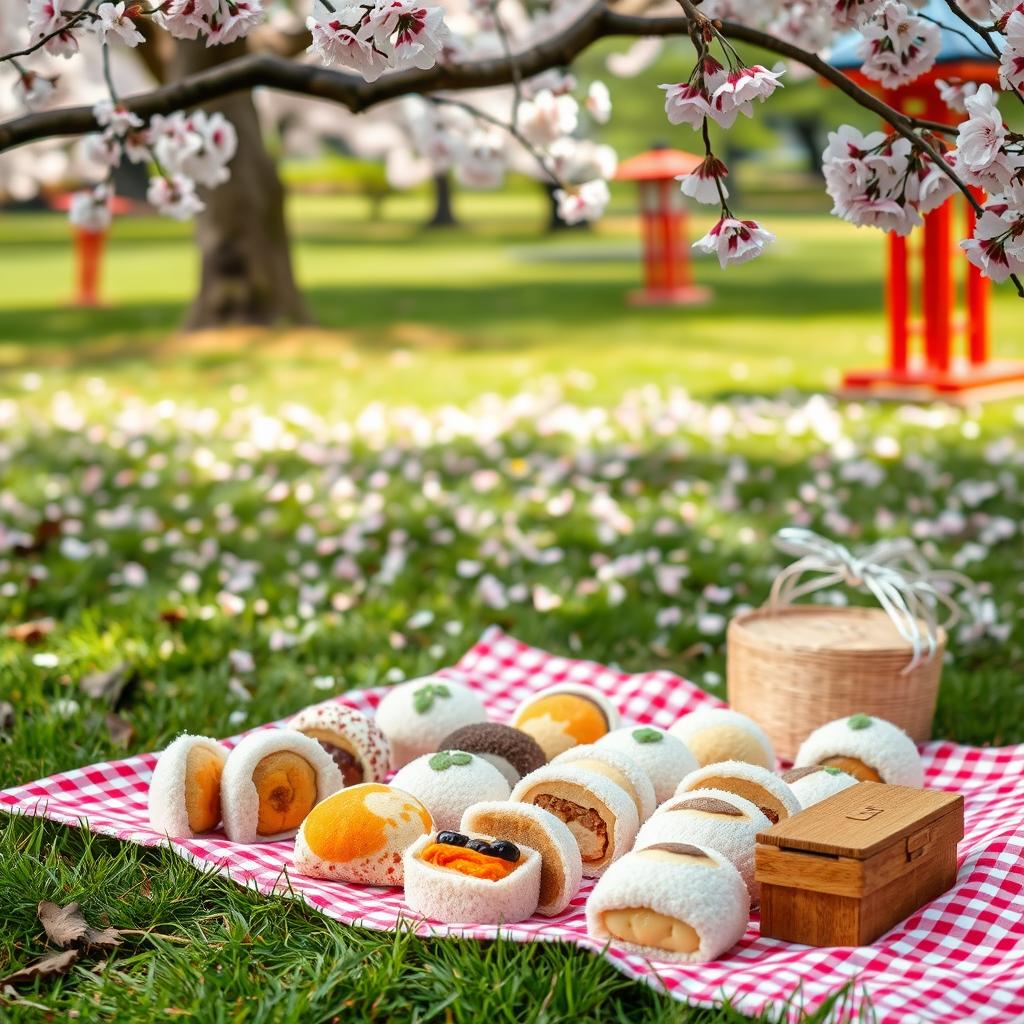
832, 769
423, 698
647, 735
445, 759
859, 721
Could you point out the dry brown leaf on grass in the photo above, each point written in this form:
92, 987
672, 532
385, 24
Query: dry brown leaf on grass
47, 967
120, 730
67, 926
111, 686
6, 716
31, 632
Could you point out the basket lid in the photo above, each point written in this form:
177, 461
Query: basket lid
863, 820
821, 627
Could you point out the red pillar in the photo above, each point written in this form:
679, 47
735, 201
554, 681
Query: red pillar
937, 289
88, 257
898, 301
977, 304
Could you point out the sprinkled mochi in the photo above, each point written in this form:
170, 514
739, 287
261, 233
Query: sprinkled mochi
416, 716
358, 746
448, 781
511, 751
871, 749
360, 834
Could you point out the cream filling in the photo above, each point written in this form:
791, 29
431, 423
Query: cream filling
645, 927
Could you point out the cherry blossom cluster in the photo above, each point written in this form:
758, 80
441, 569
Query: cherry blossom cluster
881, 180
715, 93
371, 38
187, 149
542, 132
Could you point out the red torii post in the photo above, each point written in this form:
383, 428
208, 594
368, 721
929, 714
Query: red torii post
668, 278
942, 325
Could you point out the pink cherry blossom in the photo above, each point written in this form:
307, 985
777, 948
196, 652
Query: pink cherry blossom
982, 156
599, 102
849, 13
954, 92
46, 17
685, 104
997, 247
484, 159
897, 46
346, 38
740, 88
584, 202
174, 197
547, 117
90, 209
1011, 64
114, 21
34, 90
412, 33
735, 241
118, 118
706, 183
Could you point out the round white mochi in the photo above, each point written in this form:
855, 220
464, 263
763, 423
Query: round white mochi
416, 716
732, 835
874, 741
664, 757
617, 801
443, 894
708, 896
448, 781
640, 788
239, 800
168, 812
561, 864
720, 734
350, 730
746, 775
818, 784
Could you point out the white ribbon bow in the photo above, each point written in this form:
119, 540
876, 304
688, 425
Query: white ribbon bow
894, 571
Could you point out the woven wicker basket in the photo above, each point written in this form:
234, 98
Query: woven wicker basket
796, 668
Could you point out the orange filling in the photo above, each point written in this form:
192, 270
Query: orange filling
203, 770
467, 862
286, 786
581, 718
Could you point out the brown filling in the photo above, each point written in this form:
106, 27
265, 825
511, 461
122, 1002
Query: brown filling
586, 825
707, 804
773, 809
794, 774
350, 768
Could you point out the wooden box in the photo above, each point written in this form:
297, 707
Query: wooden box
849, 868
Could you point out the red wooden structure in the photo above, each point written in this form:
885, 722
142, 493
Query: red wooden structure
668, 279
89, 246
938, 343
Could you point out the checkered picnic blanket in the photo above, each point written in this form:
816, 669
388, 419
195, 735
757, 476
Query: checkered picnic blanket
961, 958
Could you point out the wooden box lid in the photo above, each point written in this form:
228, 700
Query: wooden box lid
863, 820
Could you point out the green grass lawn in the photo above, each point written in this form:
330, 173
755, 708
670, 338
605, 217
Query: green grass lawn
481, 428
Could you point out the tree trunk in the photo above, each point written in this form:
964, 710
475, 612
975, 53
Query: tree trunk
444, 213
242, 236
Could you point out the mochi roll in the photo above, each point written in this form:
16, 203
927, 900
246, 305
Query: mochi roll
664, 757
271, 781
184, 792
713, 818
513, 752
719, 734
417, 715
617, 767
449, 895
764, 789
671, 901
561, 867
359, 748
360, 834
868, 748
564, 716
600, 814
814, 784
449, 781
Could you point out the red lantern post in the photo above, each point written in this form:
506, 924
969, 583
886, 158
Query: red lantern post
938, 345
668, 278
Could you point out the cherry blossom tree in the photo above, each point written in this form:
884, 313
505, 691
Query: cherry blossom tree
365, 52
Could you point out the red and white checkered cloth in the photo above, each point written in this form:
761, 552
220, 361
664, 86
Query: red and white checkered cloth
959, 958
